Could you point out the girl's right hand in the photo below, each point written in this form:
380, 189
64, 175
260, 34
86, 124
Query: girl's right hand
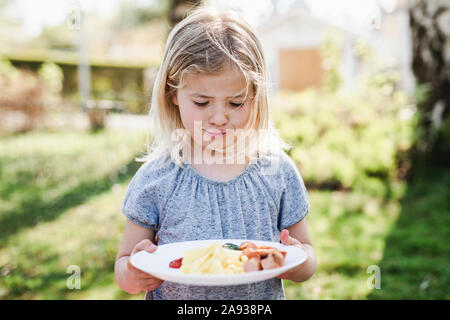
140, 280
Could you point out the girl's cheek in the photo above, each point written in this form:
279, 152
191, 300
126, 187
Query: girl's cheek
190, 115
243, 113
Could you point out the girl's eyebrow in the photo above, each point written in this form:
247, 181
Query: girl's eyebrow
201, 95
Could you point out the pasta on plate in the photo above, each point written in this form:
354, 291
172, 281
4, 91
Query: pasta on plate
212, 259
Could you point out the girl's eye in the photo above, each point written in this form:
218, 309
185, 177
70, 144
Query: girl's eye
204, 104
201, 104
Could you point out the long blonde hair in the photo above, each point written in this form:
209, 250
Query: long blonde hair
204, 42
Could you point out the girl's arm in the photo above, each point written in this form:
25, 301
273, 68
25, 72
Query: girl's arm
130, 279
298, 235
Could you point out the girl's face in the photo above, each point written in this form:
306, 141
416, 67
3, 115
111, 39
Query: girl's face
214, 103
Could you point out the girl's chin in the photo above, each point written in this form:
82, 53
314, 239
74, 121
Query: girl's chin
219, 147
219, 143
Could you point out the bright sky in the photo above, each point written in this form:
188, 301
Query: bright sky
350, 13
36, 14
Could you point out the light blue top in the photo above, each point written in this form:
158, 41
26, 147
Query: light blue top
182, 205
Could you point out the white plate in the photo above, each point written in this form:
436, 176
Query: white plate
157, 264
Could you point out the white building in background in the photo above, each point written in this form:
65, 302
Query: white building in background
292, 41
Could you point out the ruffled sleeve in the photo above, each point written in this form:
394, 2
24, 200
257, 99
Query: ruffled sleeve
294, 203
144, 199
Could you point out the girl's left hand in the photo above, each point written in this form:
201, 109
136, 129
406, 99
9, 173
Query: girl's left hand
287, 240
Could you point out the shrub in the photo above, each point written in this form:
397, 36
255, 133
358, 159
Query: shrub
21, 97
52, 77
347, 140
26, 95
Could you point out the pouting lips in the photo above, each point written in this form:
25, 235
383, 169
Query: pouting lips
215, 132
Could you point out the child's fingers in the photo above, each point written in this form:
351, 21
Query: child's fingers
152, 285
286, 239
146, 245
283, 276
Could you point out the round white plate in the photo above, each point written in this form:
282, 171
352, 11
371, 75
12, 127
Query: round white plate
157, 264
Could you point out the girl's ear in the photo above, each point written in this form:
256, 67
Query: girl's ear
175, 99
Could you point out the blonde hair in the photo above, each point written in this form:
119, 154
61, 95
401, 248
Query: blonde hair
204, 42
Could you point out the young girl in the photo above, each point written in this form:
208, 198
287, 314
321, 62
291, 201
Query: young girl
216, 169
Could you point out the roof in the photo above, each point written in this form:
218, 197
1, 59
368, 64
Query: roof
296, 14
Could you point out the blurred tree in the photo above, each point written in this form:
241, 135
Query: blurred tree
22, 92
430, 29
179, 8
52, 77
331, 54
132, 14
57, 37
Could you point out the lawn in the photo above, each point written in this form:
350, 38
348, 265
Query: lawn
60, 198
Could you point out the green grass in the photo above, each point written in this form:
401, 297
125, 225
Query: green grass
416, 259
60, 199
407, 237
348, 232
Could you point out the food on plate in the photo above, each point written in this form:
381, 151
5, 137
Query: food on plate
229, 258
212, 259
176, 264
260, 257
230, 246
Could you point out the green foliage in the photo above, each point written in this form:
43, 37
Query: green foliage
52, 75
422, 92
347, 140
432, 138
7, 70
132, 14
21, 91
330, 52
57, 37
31, 93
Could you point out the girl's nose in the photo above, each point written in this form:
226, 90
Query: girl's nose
219, 117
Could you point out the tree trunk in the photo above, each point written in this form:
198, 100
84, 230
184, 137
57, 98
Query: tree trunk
430, 29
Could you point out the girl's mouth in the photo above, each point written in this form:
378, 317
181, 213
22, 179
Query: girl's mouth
215, 132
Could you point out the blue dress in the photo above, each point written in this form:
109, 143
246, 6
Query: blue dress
182, 205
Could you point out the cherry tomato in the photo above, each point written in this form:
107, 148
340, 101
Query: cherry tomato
176, 264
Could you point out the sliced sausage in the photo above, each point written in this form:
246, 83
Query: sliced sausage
252, 264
